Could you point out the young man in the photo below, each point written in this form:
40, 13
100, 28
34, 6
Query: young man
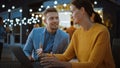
50, 38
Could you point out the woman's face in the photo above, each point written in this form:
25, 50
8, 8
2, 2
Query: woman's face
76, 14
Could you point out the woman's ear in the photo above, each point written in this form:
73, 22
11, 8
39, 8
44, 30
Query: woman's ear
92, 17
82, 10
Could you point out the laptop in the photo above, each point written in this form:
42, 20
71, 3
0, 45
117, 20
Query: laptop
23, 59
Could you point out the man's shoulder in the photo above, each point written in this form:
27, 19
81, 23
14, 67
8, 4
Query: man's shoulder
61, 32
38, 29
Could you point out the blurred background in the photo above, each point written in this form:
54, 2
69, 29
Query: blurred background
23, 15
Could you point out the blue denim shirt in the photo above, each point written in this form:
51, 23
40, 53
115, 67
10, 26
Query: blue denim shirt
36, 39
48, 42
2, 33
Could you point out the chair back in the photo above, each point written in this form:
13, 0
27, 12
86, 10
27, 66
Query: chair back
116, 52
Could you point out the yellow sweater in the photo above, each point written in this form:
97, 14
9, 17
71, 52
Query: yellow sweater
92, 48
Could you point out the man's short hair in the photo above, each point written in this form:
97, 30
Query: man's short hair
49, 10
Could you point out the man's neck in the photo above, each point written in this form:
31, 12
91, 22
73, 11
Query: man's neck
51, 31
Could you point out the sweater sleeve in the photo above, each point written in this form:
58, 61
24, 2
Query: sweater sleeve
69, 52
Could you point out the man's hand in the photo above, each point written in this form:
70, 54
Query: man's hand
39, 51
31, 59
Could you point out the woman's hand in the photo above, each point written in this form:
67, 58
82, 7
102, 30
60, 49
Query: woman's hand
52, 61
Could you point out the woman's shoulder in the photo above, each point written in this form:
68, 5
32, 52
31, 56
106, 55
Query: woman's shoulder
101, 27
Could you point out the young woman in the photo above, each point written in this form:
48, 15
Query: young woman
90, 44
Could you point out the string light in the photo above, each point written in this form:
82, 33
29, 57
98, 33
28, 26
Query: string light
64, 5
41, 6
3, 6
39, 9
33, 15
36, 16
40, 15
13, 7
55, 2
95, 2
30, 10
20, 10
19, 22
9, 10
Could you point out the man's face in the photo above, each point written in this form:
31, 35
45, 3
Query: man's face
52, 20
